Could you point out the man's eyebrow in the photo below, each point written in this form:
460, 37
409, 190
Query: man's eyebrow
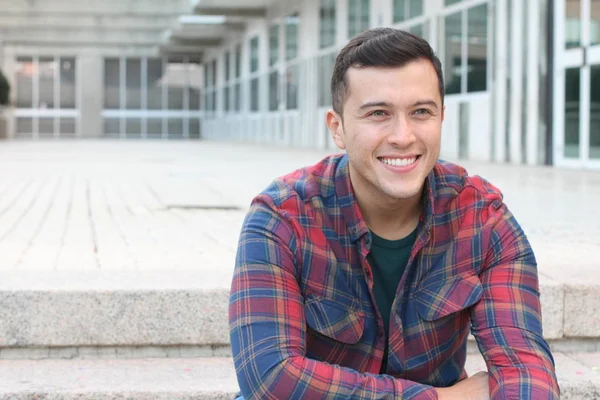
430, 103
371, 104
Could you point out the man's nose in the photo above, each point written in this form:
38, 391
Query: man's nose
401, 133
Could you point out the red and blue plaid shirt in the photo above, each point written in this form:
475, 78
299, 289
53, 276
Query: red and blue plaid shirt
303, 317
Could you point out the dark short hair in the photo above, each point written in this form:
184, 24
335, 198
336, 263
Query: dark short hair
380, 47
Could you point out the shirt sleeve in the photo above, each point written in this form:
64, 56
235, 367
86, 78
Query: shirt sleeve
268, 326
507, 322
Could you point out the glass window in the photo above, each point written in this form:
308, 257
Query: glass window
453, 56
133, 127
572, 111
291, 90
477, 48
406, 9
324, 72
595, 22
47, 73
154, 84
24, 125
112, 126
416, 8
254, 95
573, 23
327, 24
111, 83
226, 98
358, 16
227, 66
194, 132
46, 126
26, 72
177, 82
595, 112
175, 127
154, 127
273, 45
399, 13
450, 2
68, 96
133, 83
207, 75
273, 91
195, 86
67, 126
418, 30
207, 99
291, 36
238, 61
213, 75
237, 97
254, 54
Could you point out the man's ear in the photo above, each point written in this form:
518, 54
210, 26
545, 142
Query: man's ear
336, 128
443, 112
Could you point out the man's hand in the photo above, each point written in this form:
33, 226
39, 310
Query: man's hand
475, 387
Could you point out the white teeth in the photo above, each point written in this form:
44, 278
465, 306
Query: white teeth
399, 162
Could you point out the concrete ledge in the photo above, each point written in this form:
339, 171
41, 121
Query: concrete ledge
114, 309
582, 310
186, 308
113, 352
552, 299
205, 379
113, 318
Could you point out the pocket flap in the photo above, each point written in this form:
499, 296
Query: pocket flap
437, 298
333, 319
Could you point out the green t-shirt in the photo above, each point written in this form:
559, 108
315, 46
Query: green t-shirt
388, 259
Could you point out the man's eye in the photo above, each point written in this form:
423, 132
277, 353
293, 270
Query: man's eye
422, 111
378, 113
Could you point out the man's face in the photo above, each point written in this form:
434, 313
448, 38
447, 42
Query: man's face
391, 128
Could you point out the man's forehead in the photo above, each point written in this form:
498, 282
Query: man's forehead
370, 69
375, 84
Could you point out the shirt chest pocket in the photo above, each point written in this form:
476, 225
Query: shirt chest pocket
437, 298
339, 321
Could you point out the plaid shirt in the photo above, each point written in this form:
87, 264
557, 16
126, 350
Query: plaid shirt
303, 318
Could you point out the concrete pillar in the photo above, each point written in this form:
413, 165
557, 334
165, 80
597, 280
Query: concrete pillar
89, 80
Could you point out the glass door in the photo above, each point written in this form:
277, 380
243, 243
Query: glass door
577, 80
47, 97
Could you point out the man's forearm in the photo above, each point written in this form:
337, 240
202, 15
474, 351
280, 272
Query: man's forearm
302, 378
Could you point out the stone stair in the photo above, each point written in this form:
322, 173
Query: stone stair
116, 262
201, 378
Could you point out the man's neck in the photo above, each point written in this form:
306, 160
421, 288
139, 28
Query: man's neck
389, 218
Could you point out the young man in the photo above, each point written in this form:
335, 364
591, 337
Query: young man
360, 277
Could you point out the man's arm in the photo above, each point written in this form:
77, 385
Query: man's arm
507, 322
268, 326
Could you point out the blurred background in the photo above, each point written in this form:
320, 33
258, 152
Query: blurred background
522, 78
135, 133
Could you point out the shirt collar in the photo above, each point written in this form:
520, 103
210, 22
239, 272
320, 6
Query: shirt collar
357, 227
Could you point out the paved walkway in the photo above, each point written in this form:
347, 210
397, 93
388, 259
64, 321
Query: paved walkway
110, 205
155, 206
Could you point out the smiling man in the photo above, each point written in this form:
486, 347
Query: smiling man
361, 277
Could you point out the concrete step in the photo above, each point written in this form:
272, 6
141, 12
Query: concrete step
82, 309
202, 379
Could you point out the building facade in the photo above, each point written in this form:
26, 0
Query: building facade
96, 69
522, 78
